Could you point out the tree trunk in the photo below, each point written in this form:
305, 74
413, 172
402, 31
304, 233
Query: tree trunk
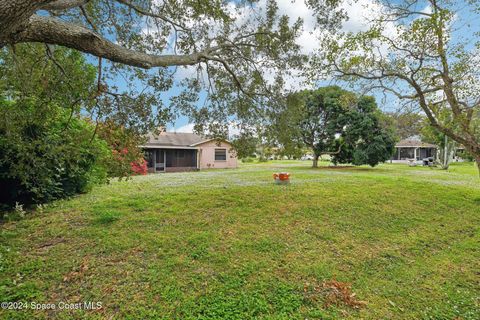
478, 163
315, 161
14, 15
445, 153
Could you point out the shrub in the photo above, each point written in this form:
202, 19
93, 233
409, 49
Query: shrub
465, 155
139, 167
43, 160
262, 158
247, 160
48, 150
126, 157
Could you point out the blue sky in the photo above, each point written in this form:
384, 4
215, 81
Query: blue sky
359, 12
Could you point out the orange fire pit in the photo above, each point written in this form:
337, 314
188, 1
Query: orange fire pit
281, 177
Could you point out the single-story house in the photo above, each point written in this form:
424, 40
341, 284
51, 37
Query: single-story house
413, 149
178, 151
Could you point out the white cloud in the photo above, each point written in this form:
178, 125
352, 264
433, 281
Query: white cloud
360, 13
185, 128
299, 10
428, 9
233, 129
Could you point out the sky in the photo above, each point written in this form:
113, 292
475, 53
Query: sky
359, 13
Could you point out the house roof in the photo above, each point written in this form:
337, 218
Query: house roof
174, 139
414, 143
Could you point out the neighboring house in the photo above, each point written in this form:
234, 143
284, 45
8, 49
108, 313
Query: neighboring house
459, 153
171, 151
413, 149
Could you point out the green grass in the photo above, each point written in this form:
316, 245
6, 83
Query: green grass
229, 244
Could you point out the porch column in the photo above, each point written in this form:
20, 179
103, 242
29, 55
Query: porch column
415, 153
164, 160
154, 160
198, 158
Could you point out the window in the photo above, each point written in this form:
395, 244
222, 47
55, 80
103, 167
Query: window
220, 154
407, 153
428, 153
148, 154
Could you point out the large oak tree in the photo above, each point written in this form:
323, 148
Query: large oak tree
238, 52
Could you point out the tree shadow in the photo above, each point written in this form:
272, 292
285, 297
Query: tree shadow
348, 168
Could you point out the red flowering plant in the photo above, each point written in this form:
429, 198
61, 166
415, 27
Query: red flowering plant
127, 158
139, 167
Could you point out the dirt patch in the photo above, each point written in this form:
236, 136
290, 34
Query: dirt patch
332, 292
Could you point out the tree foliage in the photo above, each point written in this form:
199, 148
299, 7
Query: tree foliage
447, 146
427, 57
283, 131
227, 58
245, 145
124, 144
42, 160
48, 149
332, 121
407, 124
324, 118
368, 139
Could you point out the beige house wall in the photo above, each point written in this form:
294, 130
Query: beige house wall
206, 155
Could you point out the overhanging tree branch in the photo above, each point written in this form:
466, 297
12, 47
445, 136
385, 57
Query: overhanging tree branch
54, 31
63, 4
144, 12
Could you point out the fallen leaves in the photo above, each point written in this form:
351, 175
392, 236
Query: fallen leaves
333, 292
77, 273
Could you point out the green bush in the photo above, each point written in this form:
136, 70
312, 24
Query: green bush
43, 160
48, 149
247, 160
466, 156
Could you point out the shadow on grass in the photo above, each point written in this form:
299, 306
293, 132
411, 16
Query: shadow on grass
334, 167
347, 168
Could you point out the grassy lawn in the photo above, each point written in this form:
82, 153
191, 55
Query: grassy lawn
229, 244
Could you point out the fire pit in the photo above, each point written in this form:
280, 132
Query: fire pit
281, 177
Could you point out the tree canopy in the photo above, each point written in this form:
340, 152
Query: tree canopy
333, 121
238, 53
423, 58
407, 124
50, 145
